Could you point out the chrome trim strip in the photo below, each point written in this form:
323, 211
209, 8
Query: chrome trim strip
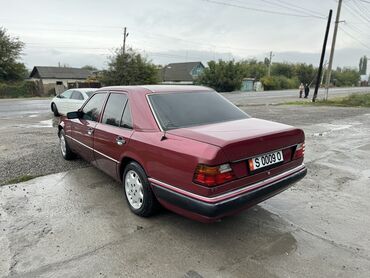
242, 159
153, 112
231, 194
86, 146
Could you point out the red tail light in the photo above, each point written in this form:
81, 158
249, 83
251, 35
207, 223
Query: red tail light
299, 151
213, 175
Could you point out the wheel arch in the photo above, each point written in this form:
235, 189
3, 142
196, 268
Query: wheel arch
125, 161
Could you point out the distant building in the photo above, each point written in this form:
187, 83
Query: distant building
59, 74
365, 80
57, 79
181, 73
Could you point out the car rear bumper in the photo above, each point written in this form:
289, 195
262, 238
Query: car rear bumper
211, 209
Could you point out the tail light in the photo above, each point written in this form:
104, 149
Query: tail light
213, 175
299, 151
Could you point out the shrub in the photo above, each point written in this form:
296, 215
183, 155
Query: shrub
279, 83
18, 89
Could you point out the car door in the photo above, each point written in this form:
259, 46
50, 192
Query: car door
75, 101
83, 128
62, 102
112, 133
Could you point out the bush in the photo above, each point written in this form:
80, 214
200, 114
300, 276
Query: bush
222, 76
279, 83
362, 100
18, 89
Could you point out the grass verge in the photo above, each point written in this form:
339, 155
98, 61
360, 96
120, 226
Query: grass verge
354, 100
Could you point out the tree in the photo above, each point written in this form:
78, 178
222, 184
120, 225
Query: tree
282, 69
89, 67
129, 69
222, 76
253, 69
305, 73
346, 77
10, 52
363, 65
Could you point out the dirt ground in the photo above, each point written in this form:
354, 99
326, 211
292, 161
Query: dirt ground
76, 224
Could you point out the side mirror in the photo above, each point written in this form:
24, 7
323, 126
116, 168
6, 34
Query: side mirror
75, 115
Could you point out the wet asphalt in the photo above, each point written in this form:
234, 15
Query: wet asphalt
75, 223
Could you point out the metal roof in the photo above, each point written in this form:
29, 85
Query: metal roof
59, 73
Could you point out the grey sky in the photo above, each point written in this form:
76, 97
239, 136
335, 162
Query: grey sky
83, 32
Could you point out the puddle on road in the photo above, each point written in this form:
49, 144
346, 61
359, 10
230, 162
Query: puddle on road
46, 123
331, 127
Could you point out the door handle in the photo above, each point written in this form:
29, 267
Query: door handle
90, 131
120, 141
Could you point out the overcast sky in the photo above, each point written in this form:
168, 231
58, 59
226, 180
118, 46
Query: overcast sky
80, 32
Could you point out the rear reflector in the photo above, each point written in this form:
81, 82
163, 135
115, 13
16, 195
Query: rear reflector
213, 175
299, 151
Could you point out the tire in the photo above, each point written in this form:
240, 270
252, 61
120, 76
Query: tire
54, 109
139, 196
64, 148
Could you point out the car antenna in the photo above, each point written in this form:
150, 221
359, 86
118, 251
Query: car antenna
163, 136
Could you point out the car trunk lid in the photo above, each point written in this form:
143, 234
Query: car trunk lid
245, 138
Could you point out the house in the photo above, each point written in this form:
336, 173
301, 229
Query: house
58, 78
181, 73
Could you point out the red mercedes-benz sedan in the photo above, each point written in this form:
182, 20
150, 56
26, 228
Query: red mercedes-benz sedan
184, 147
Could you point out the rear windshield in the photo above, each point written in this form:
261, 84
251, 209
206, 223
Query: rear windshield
177, 110
89, 93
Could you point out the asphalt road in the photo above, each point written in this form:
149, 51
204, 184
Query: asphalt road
275, 97
24, 107
20, 107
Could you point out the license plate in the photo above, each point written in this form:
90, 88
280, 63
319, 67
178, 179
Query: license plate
265, 160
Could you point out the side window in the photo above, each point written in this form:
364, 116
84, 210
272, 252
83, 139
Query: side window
77, 95
66, 94
93, 107
126, 120
114, 109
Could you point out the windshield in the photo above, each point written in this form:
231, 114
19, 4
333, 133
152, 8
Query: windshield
177, 110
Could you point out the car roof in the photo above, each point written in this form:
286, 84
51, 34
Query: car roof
158, 88
84, 90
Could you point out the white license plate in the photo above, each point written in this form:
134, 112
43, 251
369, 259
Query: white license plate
265, 160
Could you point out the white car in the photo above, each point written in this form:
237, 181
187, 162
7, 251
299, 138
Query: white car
70, 100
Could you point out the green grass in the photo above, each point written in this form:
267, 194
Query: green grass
354, 100
21, 179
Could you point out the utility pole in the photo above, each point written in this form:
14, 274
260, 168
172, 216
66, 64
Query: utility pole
328, 75
270, 63
125, 35
318, 77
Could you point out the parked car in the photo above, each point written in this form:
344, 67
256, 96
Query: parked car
70, 100
184, 147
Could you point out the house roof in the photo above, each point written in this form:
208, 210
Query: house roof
59, 73
179, 71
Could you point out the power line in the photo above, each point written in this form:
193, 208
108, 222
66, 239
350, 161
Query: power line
357, 13
356, 39
288, 6
260, 10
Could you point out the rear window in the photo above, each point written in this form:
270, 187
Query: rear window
178, 110
89, 93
